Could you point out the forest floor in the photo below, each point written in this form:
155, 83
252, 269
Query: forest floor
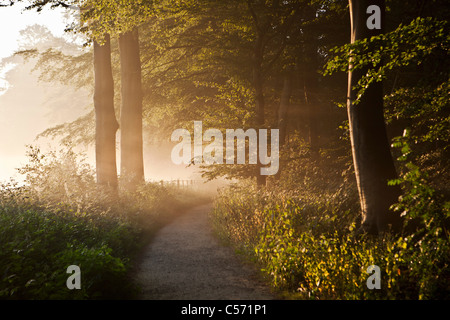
185, 261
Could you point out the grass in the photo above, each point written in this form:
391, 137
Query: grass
305, 246
60, 217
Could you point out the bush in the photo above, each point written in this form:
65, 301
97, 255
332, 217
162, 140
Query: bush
59, 217
37, 246
306, 248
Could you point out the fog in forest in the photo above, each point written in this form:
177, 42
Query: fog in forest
31, 105
320, 127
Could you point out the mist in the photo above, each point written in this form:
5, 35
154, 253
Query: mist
33, 104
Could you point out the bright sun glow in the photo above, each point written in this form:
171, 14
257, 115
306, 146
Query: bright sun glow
12, 21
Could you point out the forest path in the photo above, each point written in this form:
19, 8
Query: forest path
185, 261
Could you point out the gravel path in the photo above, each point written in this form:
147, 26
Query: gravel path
186, 261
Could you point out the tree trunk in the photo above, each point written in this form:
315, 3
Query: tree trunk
283, 112
284, 107
259, 96
106, 123
311, 84
312, 104
370, 145
131, 141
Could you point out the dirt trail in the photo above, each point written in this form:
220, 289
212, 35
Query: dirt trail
186, 261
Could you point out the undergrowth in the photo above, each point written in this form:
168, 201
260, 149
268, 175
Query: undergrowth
59, 217
306, 245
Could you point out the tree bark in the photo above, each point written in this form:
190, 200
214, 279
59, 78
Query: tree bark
284, 107
372, 158
310, 91
106, 123
131, 141
259, 95
283, 112
311, 84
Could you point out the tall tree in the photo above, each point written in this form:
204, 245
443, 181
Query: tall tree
372, 158
284, 106
105, 118
272, 22
310, 90
106, 124
310, 77
283, 110
122, 20
262, 26
131, 141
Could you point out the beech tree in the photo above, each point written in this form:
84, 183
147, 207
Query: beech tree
106, 123
272, 22
372, 158
105, 118
101, 20
122, 20
131, 142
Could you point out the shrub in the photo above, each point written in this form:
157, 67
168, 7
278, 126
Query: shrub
306, 248
59, 217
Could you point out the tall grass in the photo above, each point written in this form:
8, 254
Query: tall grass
59, 217
306, 246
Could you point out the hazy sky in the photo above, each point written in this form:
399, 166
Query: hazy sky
12, 20
23, 113
29, 107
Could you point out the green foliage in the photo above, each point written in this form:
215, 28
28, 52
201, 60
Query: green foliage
427, 212
306, 248
305, 243
426, 112
419, 200
112, 17
412, 44
59, 217
99, 17
37, 246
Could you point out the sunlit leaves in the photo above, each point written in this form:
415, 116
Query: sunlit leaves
301, 255
408, 44
428, 109
113, 17
99, 17
59, 217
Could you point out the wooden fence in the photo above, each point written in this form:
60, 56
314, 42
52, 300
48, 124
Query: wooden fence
181, 183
